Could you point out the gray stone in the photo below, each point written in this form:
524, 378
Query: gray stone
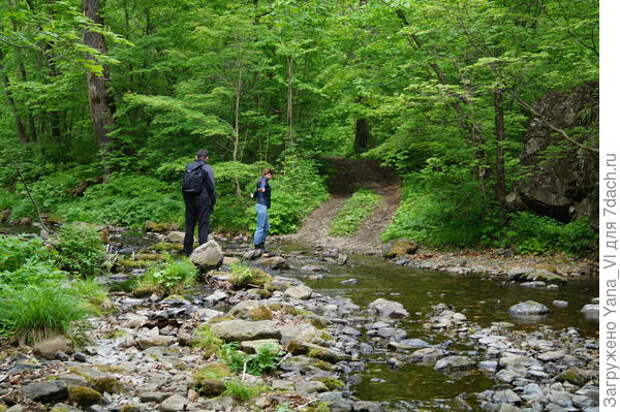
426, 356
208, 256
590, 311
337, 402
307, 387
415, 343
273, 262
50, 391
173, 404
240, 330
488, 366
251, 346
560, 303
215, 297
303, 332
533, 284
349, 282
299, 292
532, 392
388, 309
551, 355
175, 236
156, 397
16, 408
155, 340
455, 364
367, 406
506, 407
528, 308
507, 396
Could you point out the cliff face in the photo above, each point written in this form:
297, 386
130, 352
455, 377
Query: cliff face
562, 179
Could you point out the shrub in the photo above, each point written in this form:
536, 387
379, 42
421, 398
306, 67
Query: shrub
529, 233
90, 290
169, 278
243, 392
443, 206
31, 273
297, 190
264, 360
128, 200
16, 251
38, 311
206, 340
357, 208
80, 250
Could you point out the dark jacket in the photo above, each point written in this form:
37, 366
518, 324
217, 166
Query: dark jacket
263, 198
209, 182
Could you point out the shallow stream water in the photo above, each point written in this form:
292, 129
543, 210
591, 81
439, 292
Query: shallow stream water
482, 300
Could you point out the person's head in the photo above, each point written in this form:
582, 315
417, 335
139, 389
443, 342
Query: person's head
268, 173
203, 154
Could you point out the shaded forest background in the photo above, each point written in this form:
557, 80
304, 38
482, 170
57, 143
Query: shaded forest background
473, 102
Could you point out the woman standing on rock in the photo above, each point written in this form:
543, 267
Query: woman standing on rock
263, 202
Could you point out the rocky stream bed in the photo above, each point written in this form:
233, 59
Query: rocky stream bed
357, 333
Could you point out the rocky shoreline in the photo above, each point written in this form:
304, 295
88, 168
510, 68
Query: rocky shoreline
143, 355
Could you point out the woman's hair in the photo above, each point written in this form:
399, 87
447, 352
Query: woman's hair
266, 171
202, 154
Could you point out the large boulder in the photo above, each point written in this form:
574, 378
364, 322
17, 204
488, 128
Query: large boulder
240, 330
565, 186
388, 308
400, 247
299, 292
208, 256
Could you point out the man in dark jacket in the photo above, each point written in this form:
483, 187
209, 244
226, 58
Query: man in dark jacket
263, 202
199, 197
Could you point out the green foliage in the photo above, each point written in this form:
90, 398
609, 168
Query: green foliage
207, 340
537, 234
17, 251
242, 275
297, 190
442, 206
37, 311
128, 200
263, 361
353, 213
80, 250
169, 278
243, 392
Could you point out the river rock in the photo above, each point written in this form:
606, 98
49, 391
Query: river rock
388, 308
155, 340
337, 402
216, 297
273, 262
308, 387
49, 348
400, 247
208, 256
299, 292
455, 364
528, 308
551, 356
560, 303
590, 311
242, 330
50, 391
173, 404
507, 396
342, 259
175, 236
301, 331
252, 254
251, 346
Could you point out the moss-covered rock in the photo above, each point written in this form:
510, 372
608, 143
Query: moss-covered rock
333, 384
130, 408
243, 276
155, 257
574, 376
400, 247
125, 264
219, 319
165, 247
142, 291
209, 380
84, 396
261, 313
160, 227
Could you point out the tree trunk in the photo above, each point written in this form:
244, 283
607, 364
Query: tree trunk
99, 101
19, 124
362, 135
500, 135
289, 100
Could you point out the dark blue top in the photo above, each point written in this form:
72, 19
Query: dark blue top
263, 198
210, 189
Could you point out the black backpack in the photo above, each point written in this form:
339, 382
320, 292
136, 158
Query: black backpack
194, 180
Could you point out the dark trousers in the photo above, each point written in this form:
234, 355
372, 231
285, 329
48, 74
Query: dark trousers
197, 209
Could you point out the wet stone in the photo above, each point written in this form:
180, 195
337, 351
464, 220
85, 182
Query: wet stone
173, 404
46, 391
528, 308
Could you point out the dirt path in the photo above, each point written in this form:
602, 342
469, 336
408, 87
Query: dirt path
346, 177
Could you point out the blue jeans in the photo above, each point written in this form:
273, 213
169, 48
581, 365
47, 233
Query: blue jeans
262, 224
